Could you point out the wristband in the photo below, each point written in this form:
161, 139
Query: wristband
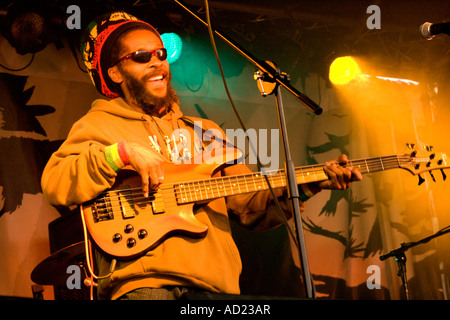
116, 155
123, 154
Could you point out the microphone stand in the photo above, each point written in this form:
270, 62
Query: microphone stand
400, 257
269, 73
293, 195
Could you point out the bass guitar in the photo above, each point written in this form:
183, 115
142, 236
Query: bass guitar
124, 224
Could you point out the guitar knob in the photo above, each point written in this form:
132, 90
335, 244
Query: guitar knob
128, 228
131, 242
117, 237
142, 234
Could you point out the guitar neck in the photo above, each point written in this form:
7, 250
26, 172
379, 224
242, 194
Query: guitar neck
209, 189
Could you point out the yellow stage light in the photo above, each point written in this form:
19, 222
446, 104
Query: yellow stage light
343, 70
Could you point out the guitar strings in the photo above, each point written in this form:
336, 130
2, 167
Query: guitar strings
200, 185
195, 186
115, 196
187, 188
311, 170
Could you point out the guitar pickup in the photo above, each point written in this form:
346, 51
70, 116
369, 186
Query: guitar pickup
125, 198
157, 204
157, 209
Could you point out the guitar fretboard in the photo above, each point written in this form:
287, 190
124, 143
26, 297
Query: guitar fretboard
208, 189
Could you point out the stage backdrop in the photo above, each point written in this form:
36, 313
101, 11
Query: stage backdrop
345, 231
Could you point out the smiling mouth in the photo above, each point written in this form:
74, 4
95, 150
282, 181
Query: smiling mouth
157, 81
156, 78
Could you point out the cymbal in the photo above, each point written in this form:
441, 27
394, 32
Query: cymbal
53, 269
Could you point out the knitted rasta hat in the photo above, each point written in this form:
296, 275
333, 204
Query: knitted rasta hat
96, 44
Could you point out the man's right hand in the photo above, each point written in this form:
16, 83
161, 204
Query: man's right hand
148, 163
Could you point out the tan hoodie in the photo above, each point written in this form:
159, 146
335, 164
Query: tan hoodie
79, 172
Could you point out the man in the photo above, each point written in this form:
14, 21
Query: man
127, 62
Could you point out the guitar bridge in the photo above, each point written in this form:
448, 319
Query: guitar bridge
102, 210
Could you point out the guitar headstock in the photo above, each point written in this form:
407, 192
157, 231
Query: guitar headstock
419, 162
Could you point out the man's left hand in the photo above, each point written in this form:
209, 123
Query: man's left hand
340, 176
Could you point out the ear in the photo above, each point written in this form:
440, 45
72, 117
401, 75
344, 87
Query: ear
115, 75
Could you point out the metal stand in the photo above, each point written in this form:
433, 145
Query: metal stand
268, 71
293, 195
267, 86
400, 257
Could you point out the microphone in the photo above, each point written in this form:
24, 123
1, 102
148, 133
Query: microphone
429, 30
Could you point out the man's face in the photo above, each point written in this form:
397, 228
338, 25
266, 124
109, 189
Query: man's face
147, 85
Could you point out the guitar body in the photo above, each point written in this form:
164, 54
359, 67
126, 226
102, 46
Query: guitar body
125, 224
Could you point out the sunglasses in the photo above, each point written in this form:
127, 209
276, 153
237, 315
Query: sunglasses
144, 56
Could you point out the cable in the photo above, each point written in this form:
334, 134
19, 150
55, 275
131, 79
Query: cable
213, 43
88, 252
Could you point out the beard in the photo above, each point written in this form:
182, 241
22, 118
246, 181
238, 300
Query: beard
144, 99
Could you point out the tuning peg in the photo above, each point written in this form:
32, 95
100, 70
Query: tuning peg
410, 145
444, 176
421, 180
432, 176
428, 148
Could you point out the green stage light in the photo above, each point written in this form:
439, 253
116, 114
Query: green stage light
173, 44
